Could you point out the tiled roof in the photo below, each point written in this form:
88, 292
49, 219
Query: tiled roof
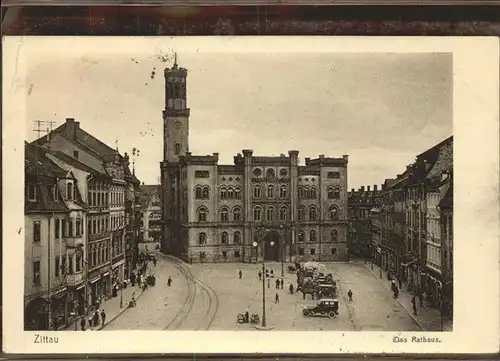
76, 163
42, 173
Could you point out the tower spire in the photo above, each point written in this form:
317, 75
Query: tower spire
175, 60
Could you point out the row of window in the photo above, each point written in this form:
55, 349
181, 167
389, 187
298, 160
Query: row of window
237, 254
62, 228
203, 192
270, 212
99, 253
225, 240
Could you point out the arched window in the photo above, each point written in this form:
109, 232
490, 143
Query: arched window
224, 214
270, 191
283, 191
237, 193
199, 192
224, 238
312, 235
302, 213
256, 191
202, 238
313, 213
330, 192
283, 214
69, 191
230, 193
302, 236
269, 214
307, 192
336, 193
177, 148
334, 213
270, 173
202, 214
283, 172
237, 237
237, 214
257, 214
301, 192
313, 192
223, 193
206, 192
334, 235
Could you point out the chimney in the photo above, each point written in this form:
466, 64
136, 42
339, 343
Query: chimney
71, 128
362, 188
375, 187
367, 188
345, 157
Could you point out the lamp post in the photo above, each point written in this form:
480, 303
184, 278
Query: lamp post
282, 253
255, 244
121, 291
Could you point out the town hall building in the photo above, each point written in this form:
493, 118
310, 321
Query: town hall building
259, 207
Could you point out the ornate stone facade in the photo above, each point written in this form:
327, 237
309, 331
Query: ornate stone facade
213, 212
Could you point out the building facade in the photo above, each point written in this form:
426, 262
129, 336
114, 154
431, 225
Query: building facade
107, 180
151, 225
360, 205
257, 207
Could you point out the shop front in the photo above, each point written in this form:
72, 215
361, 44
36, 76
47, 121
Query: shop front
59, 308
36, 314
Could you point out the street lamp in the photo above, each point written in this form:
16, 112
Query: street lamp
255, 244
121, 291
282, 253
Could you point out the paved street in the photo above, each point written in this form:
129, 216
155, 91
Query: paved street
210, 296
373, 308
159, 304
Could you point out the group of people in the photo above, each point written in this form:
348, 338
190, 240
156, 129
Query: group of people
94, 320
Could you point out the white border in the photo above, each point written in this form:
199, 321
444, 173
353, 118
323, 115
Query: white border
476, 151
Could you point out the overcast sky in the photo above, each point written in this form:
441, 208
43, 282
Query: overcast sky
380, 109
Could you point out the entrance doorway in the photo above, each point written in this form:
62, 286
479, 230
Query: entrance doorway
272, 253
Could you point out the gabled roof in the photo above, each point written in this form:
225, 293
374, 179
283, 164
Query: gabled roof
37, 164
76, 163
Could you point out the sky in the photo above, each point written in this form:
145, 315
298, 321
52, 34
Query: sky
381, 109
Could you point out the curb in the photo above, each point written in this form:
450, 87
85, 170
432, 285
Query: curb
415, 320
118, 314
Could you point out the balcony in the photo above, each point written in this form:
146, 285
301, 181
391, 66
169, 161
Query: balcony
98, 236
99, 209
74, 279
73, 242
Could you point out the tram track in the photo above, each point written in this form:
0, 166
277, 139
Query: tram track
193, 283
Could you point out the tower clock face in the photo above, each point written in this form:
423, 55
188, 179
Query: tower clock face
177, 125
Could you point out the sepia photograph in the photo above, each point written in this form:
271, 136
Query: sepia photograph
172, 189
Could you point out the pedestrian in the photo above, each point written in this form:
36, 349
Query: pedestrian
90, 321
282, 282
268, 283
277, 283
291, 288
240, 274
260, 276
420, 297
272, 273
97, 317
277, 298
267, 272
169, 281
154, 262
396, 293
414, 305
400, 283
82, 323
247, 316
349, 294
103, 316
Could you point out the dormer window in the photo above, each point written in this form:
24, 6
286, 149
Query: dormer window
69, 191
31, 190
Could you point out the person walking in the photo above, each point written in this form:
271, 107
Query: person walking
169, 281
421, 297
277, 283
268, 283
82, 323
291, 288
240, 274
282, 282
414, 305
97, 317
260, 275
247, 317
103, 317
349, 294
272, 273
277, 298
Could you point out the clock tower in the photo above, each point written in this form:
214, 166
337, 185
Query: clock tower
175, 144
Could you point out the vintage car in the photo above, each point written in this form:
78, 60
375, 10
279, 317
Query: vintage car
325, 307
326, 290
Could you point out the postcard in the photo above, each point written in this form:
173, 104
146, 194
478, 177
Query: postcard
251, 194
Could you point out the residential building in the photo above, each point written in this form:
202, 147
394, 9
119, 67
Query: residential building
106, 189
360, 204
215, 212
151, 225
446, 221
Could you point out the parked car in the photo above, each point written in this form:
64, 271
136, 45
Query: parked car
325, 307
